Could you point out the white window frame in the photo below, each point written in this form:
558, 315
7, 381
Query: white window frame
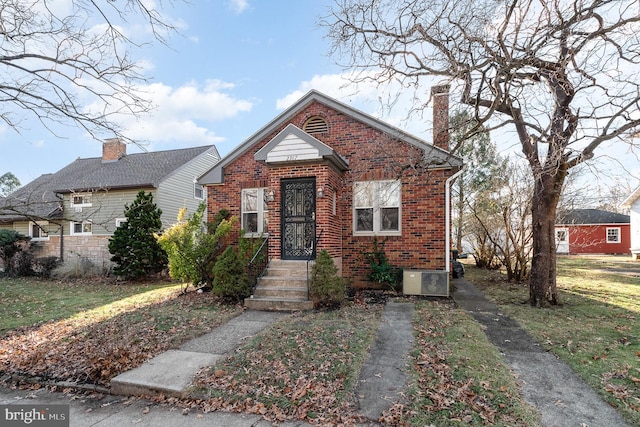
119, 221
72, 231
42, 226
376, 206
198, 188
618, 236
86, 200
262, 212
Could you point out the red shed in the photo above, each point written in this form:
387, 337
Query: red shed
593, 231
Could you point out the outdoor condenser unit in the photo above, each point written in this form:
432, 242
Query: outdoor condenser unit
425, 282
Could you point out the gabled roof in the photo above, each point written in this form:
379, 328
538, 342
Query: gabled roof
315, 149
592, 216
438, 156
140, 170
631, 198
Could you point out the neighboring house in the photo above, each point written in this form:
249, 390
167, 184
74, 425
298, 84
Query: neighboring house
632, 203
74, 211
325, 172
592, 231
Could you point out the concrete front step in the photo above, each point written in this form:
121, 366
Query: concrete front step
264, 291
277, 304
283, 287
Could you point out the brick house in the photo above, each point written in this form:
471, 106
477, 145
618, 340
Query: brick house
323, 175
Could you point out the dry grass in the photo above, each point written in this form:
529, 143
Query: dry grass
596, 330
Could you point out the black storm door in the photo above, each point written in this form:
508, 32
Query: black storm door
298, 218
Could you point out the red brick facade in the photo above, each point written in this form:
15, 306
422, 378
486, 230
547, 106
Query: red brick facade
371, 155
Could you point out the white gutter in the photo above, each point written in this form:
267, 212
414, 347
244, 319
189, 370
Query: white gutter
447, 202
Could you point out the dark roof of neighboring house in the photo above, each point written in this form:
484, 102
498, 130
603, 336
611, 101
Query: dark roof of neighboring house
592, 216
438, 156
139, 170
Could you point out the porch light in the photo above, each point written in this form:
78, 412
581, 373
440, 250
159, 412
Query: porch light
320, 192
271, 195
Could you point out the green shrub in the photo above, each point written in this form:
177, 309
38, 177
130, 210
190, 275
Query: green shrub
231, 282
382, 272
133, 246
327, 287
15, 253
193, 246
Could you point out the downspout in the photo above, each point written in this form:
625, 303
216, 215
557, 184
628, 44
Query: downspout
447, 202
61, 226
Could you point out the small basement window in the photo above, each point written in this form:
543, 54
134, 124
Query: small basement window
315, 124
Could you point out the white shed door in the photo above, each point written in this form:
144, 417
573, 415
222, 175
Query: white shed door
562, 240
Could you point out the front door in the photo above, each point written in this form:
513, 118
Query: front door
298, 218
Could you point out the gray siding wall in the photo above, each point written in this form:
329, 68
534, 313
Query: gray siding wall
106, 207
176, 191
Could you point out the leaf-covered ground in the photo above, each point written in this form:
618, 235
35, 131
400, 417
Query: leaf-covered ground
95, 345
304, 367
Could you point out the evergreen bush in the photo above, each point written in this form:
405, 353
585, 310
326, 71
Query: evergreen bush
15, 253
133, 246
231, 282
327, 287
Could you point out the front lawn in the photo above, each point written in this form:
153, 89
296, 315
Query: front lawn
596, 330
89, 332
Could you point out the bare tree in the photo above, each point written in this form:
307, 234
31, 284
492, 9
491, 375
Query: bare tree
70, 63
484, 169
563, 74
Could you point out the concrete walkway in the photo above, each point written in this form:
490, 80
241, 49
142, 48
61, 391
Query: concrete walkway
383, 375
171, 372
548, 384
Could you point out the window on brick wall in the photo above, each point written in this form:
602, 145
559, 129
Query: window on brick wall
80, 228
613, 235
255, 215
376, 207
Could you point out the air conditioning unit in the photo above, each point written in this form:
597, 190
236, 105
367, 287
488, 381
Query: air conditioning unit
425, 282
78, 209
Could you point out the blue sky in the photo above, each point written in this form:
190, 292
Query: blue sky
235, 65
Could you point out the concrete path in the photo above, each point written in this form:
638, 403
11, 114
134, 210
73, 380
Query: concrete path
171, 372
562, 398
383, 375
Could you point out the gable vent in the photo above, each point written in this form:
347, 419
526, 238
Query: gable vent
315, 124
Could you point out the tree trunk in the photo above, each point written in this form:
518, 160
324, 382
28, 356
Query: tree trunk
546, 194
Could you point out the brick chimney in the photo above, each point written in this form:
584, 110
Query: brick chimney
440, 95
113, 149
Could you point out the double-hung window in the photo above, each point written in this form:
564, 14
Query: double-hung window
39, 230
81, 228
80, 200
255, 214
613, 235
198, 191
376, 207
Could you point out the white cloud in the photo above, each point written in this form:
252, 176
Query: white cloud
238, 6
185, 114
